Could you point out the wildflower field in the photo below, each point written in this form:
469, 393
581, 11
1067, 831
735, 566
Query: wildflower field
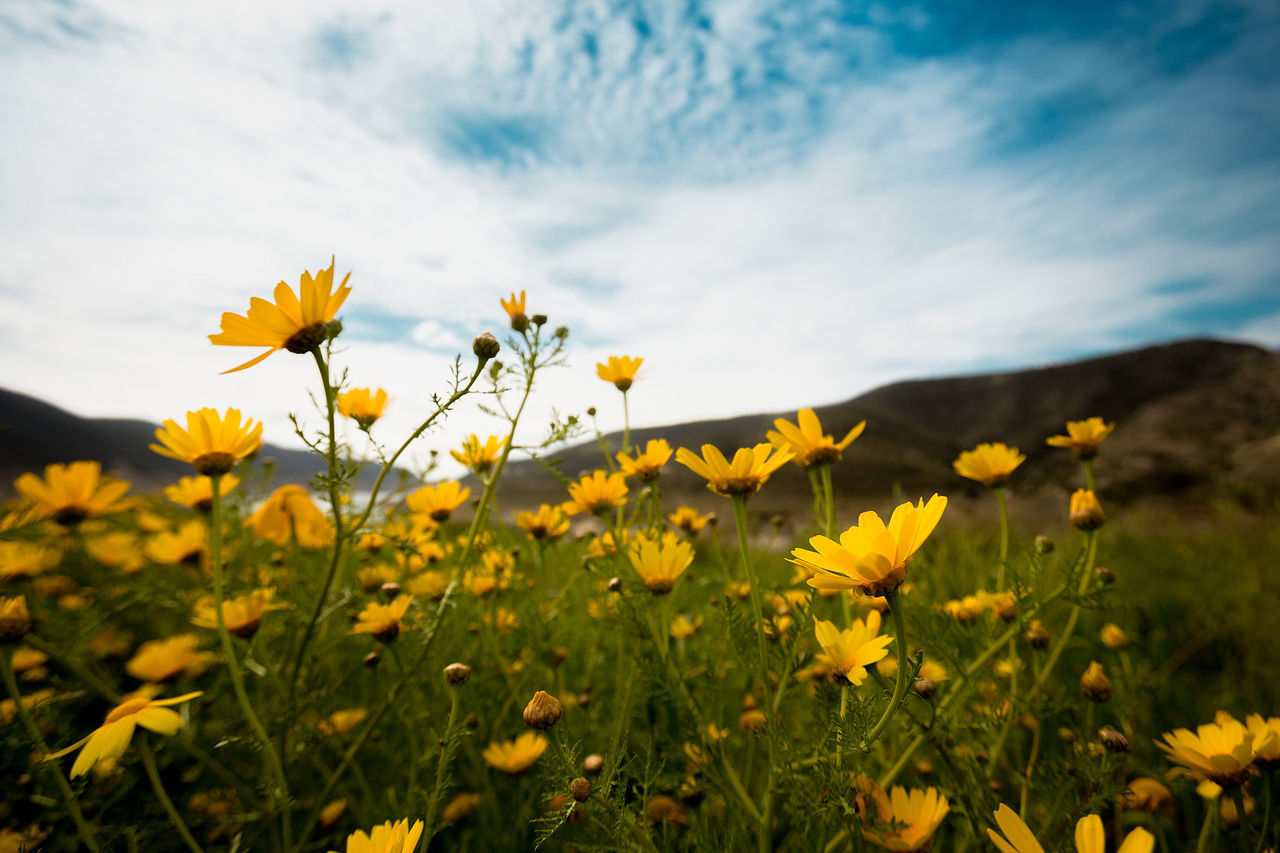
239, 664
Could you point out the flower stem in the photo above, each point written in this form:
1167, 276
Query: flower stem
626, 425
1074, 616
1237, 797
149, 763
434, 806
900, 685
1210, 812
828, 499
33, 731
1004, 538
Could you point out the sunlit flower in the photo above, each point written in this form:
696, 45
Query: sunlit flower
848, 653
1090, 836
383, 621
620, 370
289, 513
596, 492
211, 442
186, 546
479, 457
111, 739
749, 470
241, 614
989, 464
807, 442
362, 405
161, 660
907, 819
399, 837
872, 556
1083, 437
342, 722
73, 492
1221, 751
298, 325
515, 308
1085, 512
515, 756
549, 522
15, 619
197, 492
660, 564
26, 559
439, 501
689, 520
647, 464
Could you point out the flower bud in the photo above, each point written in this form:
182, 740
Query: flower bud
1037, 636
485, 346
562, 332
539, 319
372, 660
615, 584
1043, 545
1095, 684
456, 674
331, 813
591, 411
593, 763
472, 722
1113, 637
15, 620
543, 711
751, 721
559, 655
1113, 740
580, 788
1086, 513
1105, 575
390, 589
1067, 735
926, 687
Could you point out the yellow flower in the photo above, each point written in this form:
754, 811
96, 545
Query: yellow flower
211, 443
362, 405
1148, 795
1083, 437
621, 371
73, 492
15, 619
479, 457
1090, 836
549, 522
989, 464
298, 325
197, 492
660, 564
289, 512
241, 614
646, 465
515, 756
688, 520
162, 660
430, 584
383, 621
13, 840
186, 545
1113, 637
341, 722
1085, 512
460, 806
503, 621
871, 556
25, 559
682, 628
969, 608
1095, 684
331, 813
1266, 740
439, 501
387, 838
515, 311
806, 440
930, 670
111, 739
1221, 751
851, 651
908, 819
749, 470
596, 492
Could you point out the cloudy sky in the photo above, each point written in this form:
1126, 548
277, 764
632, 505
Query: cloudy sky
777, 204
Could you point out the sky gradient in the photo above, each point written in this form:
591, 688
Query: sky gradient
776, 204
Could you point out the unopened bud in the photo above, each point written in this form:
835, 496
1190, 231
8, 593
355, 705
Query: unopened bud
539, 319
591, 411
1113, 637
1105, 575
333, 329
615, 584
559, 655
15, 619
1113, 740
593, 763
1037, 636
1086, 513
562, 332
926, 687
580, 788
1066, 735
485, 346
390, 589
1095, 684
456, 674
1043, 545
472, 722
543, 711
372, 660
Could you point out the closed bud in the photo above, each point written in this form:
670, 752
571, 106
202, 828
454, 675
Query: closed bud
1113, 740
562, 332
1105, 575
1043, 545
559, 655
1086, 513
456, 674
520, 323
543, 711
751, 721
580, 788
593, 763
1066, 735
372, 660
390, 589
1095, 684
485, 346
15, 619
926, 687
591, 411
1113, 637
472, 722
539, 319
615, 584
333, 329
1037, 636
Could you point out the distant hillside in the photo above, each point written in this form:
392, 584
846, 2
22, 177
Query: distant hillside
1195, 419
34, 434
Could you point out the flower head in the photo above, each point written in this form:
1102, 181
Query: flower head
989, 464
241, 614
185, 546
1085, 512
296, 324
596, 492
362, 405
647, 464
73, 492
848, 653
211, 442
515, 308
543, 711
515, 756
163, 660
549, 522
749, 470
20, 559
660, 564
289, 513
111, 739
1083, 437
439, 501
1266, 740
479, 457
806, 440
1090, 836
398, 837
689, 520
620, 370
907, 819
197, 492
1221, 751
872, 556
383, 621
1113, 637
15, 620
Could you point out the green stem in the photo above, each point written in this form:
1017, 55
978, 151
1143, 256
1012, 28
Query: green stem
1074, 616
1004, 538
1266, 815
233, 663
828, 499
626, 425
900, 685
64, 787
149, 762
1090, 481
1237, 797
434, 806
844, 713
1210, 812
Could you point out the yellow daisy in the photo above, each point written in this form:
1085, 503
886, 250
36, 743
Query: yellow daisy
1221, 751
806, 440
1090, 836
515, 756
289, 513
689, 520
660, 564
549, 522
515, 308
111, 739
479, 457
163, 660
197, 492
1085, 511
908, 819
848, 653
362, 405
185, 546
383, 621
1083, 437
399, 837
647, 464
749, 470
439, 501
242, 614
596, 492
989, 464
211, 442
620, 370
73, 492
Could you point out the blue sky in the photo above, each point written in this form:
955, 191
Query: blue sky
777, 204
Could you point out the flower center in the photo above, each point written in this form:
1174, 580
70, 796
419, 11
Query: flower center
306, 338
213, 464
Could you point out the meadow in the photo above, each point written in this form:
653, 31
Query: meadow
241, 665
